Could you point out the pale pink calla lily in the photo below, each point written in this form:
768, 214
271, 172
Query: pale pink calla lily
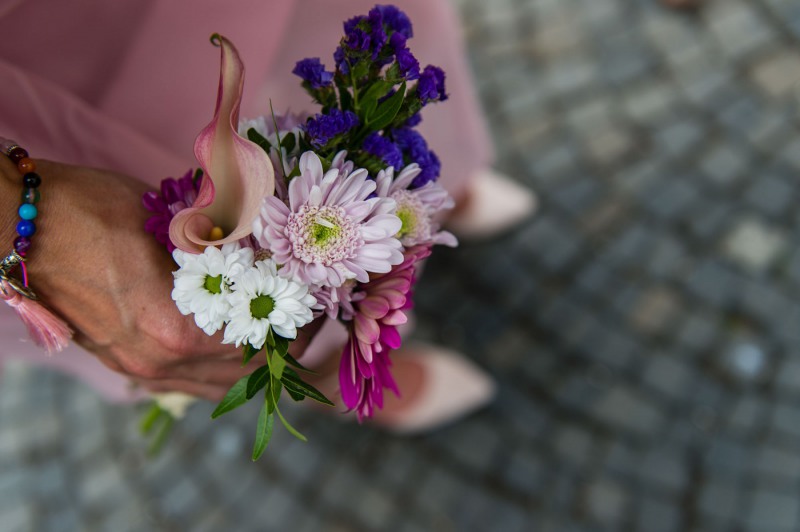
237, 174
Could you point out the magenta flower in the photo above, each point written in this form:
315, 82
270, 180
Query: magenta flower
331, 230
365, 366
176, 195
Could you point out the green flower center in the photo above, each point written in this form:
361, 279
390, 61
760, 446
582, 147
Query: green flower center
261, 306
408, 219
213, 284
322, 233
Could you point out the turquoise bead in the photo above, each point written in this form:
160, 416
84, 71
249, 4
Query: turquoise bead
28, 211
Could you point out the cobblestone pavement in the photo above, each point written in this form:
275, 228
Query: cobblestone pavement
644, 328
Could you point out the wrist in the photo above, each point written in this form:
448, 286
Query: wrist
8, 204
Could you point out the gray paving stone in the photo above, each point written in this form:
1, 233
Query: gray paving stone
607, 502
669, 375
657, 515
720, 501
625, 409
773, 511
777, 77
754, 245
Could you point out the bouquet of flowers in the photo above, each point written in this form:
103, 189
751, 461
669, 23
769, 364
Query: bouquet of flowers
293, 218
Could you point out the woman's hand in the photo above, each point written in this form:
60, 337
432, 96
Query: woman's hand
93, 263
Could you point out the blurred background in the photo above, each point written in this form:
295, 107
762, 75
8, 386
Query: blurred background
644, 327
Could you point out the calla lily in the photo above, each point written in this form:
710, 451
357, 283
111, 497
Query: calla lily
237, 174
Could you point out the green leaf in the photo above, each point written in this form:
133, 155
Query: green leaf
235, 398
289, 142
256, 380
369, 101
248, 353
275, 391
386, 111
291, 360
266, 421
277, 134
258, 138
161, 436
345, 98
276, 365
281, 345
150, 417
293, 383
290, 428
295, 395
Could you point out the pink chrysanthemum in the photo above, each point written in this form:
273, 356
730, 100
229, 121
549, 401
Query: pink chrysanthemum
417, 208
365, 366
331, 230
336, 302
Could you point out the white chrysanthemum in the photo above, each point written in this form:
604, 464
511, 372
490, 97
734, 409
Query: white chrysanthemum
261, 300
203, 283
176, 403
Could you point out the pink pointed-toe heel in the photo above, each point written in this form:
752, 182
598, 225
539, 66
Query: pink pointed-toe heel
438, 387
494, 204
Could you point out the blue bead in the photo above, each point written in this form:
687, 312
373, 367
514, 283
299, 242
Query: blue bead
28, 211
26, 228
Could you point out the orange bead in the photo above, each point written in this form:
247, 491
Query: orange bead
26, 165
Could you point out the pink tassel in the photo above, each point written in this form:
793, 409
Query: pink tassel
45, 328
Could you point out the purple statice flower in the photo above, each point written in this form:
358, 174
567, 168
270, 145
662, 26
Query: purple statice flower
352, 23
377, 33
341, 61
384, 149
176, 195
395, 19
408, 64
364, 35
357, 40
414, 120
313, 71
323, 128
430, 87
416, 149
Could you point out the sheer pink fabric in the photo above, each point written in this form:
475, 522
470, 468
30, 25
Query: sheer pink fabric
128, 84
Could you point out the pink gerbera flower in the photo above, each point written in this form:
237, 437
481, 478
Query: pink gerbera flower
331, 230
365, 366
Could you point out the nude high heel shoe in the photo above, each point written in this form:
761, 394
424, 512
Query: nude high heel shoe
447, 386
494, 204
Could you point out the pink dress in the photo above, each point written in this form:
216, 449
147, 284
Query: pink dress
127, 85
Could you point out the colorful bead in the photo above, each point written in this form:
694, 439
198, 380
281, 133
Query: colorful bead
26, 165
17, 154
32, 180
31, 195
27, 211
26, 228
22, 244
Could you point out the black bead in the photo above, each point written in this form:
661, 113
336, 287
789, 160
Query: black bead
32, 180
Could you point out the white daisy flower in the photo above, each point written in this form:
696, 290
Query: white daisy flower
203, 283
261, 300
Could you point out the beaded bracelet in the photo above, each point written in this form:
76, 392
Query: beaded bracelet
44, 327
27, 213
